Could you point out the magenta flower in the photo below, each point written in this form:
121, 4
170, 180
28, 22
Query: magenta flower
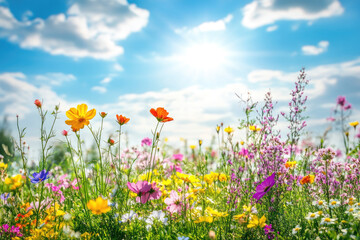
141, 188
341, 100
154, 192
174, 202
264, 187
146, 141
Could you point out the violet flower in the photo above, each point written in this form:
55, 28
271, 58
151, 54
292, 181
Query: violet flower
39, 177
264, 187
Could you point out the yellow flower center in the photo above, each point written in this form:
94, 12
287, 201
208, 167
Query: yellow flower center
327, 220
321, 202
333, 202
297, 229
351, 209
312, 215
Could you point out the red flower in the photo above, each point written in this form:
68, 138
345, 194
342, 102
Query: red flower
103, 114
122, 119
161, 114
64, 132
38, 103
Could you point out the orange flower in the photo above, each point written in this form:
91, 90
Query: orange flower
161, 114
122, 119
79, 117
307, 179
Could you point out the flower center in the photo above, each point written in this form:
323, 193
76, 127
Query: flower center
82, 119
327, 220
321, 202
312, 215
266, 188
333, 202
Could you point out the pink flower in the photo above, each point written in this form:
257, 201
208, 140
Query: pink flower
341, 100
64, 133
330, 119
174, 202
141, 188
154, 192
146, 141
178, 157
347, 107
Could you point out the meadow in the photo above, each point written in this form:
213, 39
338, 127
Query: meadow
268, 184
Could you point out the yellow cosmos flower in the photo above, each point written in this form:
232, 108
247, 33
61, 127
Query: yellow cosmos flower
192, 147
354, 124
229, 130
215, 213
14, 182
256, 222
99, 206
240, 218
208, 219
3, 165
79, 117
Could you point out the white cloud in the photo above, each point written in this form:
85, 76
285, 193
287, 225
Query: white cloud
265, 12
315, 50
272, 28
99, 89
55, 78
118, 67
320, 77
212, 26
88, 29
106, 80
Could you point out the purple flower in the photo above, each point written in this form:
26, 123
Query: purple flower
264, 187
39, 177
146, 141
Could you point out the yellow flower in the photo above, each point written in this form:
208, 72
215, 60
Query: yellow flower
252, 128
79, 117
354, 124
239, 218
222, 177
99, 206
3, 165
228, 130
255, 221
242, 142
215, 213
217, 128
187, 178
14, 182
208, 219
290, 164
192, 147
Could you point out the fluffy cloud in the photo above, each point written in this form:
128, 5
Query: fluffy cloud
88, 29
55, 79
196, 109
212, 26
99, 89
315, 50
272, 28
264, 12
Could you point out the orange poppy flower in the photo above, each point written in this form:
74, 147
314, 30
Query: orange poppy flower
161, 114
122, 119
79, 117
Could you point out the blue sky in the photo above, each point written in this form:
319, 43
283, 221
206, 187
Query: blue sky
191, 57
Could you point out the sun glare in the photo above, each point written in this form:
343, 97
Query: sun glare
204, 58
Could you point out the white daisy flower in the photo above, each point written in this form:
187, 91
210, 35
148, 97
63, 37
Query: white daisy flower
334, 203
351, 210
319, 203
327, 221
312, 216
128, 216
296, 229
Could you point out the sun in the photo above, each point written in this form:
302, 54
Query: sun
204, 57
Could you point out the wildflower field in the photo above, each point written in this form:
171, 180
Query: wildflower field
266, 184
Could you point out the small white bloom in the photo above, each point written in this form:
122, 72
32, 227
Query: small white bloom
351, 210
296, 229
312, 216
334, 203
128, 216
327, 221
67, 216
319, 203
